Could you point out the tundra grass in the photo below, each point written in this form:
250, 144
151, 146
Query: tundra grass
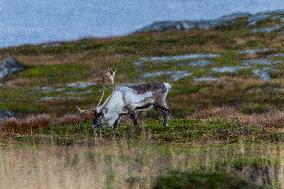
190, 130
56, 64
140, 164
200, 180
152, 155
57, 73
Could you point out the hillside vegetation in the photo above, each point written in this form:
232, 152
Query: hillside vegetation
227, 100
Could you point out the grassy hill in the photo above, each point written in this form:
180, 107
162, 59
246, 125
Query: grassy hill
51, 68
226, 102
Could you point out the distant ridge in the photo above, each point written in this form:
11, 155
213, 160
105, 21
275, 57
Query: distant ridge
250, 21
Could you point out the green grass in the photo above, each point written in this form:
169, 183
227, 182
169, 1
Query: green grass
228, 58
57, 73
200, 131
219, 139
256, 162
201, 180
86, 58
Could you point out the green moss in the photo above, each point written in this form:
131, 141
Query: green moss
228, 58
20, 99
57, 73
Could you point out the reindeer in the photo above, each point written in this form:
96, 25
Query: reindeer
127, 100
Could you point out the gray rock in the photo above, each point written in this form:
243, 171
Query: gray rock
48, 98
78, 92
255, 90
81, 85
262, 74
267, 30
199, 63
276, 55
205, 79
178, 57
257, 18
4, 114
174, 75
9, 66
228, 69
142, 60
51, 89
259, 61
255, 51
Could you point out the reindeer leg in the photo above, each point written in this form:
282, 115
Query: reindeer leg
165, 113
115, 126
133, 115
97, 132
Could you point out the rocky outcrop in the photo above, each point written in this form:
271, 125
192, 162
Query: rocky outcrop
251, 22
4, 114
207, 68
174, 75
9, 66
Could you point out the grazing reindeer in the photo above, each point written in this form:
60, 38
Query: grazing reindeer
127, 100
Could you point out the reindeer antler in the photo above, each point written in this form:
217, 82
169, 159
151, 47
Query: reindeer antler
111, 76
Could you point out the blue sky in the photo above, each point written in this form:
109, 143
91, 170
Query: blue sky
36, 21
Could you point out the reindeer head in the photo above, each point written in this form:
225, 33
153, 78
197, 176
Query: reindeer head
98, 111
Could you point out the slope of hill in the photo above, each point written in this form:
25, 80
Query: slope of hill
262, 22
220, 66
226, 103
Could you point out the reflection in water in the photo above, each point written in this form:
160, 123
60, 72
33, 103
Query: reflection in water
127, 164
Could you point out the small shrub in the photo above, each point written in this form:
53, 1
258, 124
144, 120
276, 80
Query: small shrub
26, 125
69, 119
10, 125
36, 122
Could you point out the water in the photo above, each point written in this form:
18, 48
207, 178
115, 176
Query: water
33, 21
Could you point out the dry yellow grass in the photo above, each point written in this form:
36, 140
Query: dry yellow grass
118, 164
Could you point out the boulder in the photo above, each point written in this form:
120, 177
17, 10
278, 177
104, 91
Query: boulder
9, 66
4, 114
